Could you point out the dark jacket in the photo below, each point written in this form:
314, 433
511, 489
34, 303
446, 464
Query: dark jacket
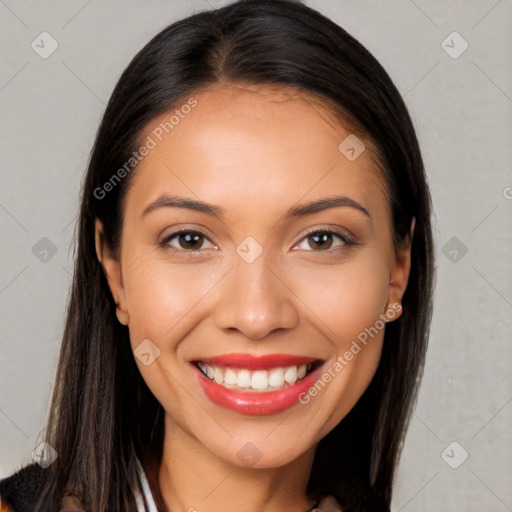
19, 491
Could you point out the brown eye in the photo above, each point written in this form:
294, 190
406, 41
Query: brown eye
192, 241
323, 240
320, 240
185, 241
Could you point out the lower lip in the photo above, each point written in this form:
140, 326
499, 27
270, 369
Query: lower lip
254, 402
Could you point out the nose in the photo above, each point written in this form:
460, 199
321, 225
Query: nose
255, 300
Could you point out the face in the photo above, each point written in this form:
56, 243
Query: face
279, 304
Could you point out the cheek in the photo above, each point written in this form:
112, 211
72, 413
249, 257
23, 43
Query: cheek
162, 297
346, 298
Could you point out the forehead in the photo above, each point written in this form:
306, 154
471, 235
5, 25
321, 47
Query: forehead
253, 143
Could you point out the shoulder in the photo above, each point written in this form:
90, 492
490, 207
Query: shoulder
19, 491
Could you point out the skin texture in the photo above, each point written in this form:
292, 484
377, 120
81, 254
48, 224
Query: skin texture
254, 151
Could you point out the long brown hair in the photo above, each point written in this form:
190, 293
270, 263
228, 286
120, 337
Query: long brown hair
103, 416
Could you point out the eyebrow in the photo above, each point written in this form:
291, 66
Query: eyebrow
315, 206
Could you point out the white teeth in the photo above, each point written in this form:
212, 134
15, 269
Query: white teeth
230, 377
276, 377
290, 375
218, 376
255, 380
206, 369
244, 379
260, 379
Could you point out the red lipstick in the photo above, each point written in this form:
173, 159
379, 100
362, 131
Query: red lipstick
257, 402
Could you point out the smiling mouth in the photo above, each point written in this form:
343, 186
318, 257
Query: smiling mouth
260, 380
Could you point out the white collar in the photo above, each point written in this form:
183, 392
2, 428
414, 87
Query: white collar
148, 496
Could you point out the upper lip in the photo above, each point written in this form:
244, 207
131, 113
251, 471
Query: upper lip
254, 362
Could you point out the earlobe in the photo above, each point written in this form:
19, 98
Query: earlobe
122, 316
393, 312
112, 269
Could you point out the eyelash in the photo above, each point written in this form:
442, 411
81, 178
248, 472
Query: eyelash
347, 241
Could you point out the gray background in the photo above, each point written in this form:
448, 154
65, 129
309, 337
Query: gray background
50, 110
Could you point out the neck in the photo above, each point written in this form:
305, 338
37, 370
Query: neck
193, 479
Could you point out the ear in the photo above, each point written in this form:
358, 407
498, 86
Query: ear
399, 276
112, 268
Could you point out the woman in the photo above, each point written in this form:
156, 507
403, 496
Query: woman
252, 290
